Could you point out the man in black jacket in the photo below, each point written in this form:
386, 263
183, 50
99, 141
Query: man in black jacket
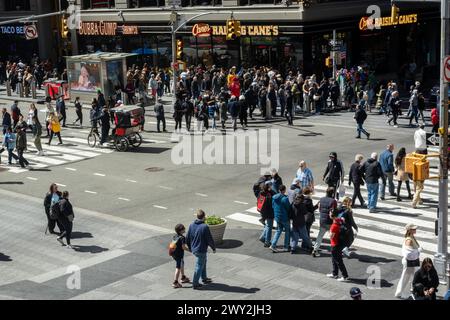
334, 173
394, 104
356, 177
105, 118
360, 117
65, 217
372, 173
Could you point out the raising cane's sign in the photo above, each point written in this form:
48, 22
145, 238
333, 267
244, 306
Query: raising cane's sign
201, 30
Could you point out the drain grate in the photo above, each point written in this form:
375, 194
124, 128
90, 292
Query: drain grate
154, 169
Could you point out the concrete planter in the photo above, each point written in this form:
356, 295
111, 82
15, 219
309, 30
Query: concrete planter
217, 231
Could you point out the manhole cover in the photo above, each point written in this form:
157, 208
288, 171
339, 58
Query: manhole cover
154, 169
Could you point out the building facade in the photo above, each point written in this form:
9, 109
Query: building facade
12, 35
272, 33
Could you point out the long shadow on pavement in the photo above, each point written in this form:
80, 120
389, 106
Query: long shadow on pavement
81, 235
89, 249
227, 288
383, 283
4, 257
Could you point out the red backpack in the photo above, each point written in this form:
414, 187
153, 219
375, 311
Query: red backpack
261, 201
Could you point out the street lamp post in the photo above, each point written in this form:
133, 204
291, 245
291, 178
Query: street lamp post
441, 257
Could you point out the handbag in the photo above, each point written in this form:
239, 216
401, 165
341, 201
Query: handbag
316, 97
413, 263
70, 217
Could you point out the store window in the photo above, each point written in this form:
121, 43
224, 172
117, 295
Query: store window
98, 4
146, 3
253, 2
190, 3
17, 5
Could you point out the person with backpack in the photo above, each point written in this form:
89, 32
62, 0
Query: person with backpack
257, 186
61, 110
337, 239
65, 218
326, 205
265, 208
176, 251
345, 211
310, 209
51, 211
299, 231
334, 173
281, 210
360, 117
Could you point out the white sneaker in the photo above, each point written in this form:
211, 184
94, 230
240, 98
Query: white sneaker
342, 279
38, 153
332, 276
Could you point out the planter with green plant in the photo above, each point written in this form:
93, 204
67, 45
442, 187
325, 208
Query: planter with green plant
217, 226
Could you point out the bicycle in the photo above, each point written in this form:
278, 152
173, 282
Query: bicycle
93, 137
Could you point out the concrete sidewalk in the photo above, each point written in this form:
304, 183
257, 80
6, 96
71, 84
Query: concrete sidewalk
124, 259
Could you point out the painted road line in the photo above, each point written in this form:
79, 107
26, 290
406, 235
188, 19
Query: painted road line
99, 174
82, 264
160, 207
91, 192
240, 202
133, 181
31, 178
71, 169
165, 188
201, 195
124, 199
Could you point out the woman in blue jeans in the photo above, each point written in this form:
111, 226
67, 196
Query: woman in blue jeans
299, 230
266, 212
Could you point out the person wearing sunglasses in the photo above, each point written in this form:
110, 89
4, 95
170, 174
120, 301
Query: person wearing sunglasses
428, 277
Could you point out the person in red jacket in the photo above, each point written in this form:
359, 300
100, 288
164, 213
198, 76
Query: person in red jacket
435, 120
235, 87
336, 248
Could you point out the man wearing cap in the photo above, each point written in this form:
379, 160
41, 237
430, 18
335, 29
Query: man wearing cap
372, 173
420, 140
356, 293
334, 173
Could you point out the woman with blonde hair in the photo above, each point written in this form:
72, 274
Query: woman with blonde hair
346, 212
400, 174
55, 127
410, 261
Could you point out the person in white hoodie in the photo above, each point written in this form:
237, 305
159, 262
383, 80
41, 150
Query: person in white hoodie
410, 261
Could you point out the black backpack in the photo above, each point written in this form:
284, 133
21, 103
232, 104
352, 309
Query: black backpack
343, 229
55, 211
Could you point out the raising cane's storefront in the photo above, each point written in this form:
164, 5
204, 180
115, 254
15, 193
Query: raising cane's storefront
258, 45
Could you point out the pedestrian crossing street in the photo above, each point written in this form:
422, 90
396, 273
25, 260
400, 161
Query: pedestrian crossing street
383, 231
74, 149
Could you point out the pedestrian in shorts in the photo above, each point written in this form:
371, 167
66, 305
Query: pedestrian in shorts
179, 246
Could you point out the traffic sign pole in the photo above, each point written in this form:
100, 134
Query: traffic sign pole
441, 257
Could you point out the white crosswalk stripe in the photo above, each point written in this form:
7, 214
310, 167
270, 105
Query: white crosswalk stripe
74, 149
383, 231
